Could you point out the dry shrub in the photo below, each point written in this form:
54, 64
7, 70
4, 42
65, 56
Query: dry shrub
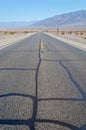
12, 33
84, 37
5, 33
62, 32
81, 33
26, 32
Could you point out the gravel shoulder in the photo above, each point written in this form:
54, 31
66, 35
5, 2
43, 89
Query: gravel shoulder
76, 42
8, 39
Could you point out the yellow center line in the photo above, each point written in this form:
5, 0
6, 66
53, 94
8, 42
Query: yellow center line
42, 45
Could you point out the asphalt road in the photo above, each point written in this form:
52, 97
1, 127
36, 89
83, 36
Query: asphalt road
42, 85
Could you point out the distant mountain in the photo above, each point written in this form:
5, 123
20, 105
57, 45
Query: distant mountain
76, 19
13, 25
72, 19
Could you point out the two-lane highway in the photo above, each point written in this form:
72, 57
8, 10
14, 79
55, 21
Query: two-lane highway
42, 85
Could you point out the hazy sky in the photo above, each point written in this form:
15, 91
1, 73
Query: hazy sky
27, 10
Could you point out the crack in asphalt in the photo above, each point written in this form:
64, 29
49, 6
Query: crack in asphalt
31, 122
76, 84
35, 104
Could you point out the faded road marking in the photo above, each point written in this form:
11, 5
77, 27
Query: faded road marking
42, 45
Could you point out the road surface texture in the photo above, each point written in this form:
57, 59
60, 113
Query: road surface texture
42, 85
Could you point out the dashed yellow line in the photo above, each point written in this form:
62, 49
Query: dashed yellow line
42, 45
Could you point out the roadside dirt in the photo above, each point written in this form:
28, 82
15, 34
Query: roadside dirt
10, 37
73, 40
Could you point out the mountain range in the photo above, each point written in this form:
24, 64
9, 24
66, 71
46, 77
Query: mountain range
67, 20
14, 25
76, 19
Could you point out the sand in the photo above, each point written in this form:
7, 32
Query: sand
8, 39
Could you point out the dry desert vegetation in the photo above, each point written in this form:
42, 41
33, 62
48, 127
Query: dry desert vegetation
77, 35
10, 36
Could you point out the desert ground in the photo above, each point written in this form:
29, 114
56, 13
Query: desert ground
8, 37
78, 35
75, 37
71, 36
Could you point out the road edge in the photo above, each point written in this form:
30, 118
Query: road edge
80, 46
15, 41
